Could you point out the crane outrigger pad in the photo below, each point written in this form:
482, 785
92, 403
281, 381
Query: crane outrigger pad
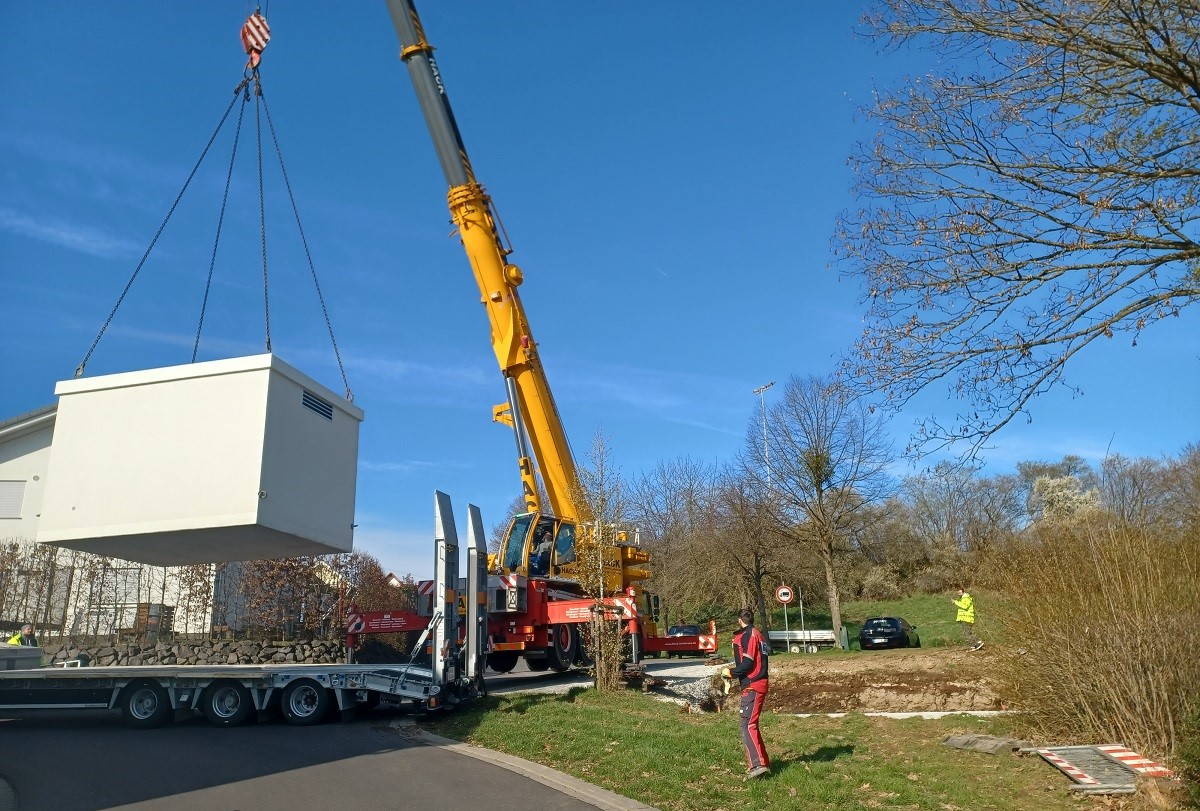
237, 459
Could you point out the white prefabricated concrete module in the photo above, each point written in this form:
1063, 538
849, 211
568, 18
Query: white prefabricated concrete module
239, 459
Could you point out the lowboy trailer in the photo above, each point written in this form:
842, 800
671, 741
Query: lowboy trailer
228, 695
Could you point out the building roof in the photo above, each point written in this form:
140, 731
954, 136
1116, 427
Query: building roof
29, 421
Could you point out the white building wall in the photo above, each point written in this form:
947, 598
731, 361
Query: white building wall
24, 455
88, 594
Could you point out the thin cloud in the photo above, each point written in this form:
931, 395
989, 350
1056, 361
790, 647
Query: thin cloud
219, 345
404, 466
89, 172
390, 369
668, 396
81, 238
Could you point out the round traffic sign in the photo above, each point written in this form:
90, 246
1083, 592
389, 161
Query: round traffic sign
784, 594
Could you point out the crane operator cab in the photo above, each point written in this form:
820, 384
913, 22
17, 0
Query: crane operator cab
533, 545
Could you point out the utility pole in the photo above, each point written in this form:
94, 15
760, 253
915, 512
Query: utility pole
760, 391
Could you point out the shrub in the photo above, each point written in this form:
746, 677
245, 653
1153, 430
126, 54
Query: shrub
934, 581
1100, 630
881, 583
1188, 757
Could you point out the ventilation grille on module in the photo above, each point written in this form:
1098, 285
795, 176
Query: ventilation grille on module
314, 403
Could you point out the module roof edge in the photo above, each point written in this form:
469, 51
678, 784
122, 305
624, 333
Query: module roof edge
209, 368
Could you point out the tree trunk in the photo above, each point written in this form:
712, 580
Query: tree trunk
831, 588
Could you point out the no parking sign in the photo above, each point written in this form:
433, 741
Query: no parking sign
784, 594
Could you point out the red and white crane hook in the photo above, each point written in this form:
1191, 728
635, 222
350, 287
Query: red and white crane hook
255, 36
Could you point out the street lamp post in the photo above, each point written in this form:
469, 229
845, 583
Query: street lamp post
760, 391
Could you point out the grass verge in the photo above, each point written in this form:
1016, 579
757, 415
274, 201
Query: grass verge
647, 750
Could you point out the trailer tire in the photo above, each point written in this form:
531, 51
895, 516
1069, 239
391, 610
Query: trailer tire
145, 704
305, 703
226, 703
502, 661
538, 665
796, 648
564, 645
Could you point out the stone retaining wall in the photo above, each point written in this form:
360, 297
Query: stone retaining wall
211, 652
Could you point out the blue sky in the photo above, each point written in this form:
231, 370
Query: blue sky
669, 175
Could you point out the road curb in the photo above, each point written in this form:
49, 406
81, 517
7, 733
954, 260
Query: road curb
594, 795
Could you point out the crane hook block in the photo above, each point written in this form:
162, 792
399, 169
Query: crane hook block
255, 36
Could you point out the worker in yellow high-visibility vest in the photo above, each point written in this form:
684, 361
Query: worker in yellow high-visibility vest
24, 637
966, 618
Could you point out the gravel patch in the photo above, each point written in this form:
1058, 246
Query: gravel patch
685, 681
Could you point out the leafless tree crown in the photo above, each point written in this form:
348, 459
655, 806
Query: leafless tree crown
1035, 195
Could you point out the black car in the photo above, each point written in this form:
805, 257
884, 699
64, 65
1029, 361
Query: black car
888, 632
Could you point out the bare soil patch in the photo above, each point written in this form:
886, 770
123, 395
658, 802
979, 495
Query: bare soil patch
918, 680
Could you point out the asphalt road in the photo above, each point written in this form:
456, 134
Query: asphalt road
84, 760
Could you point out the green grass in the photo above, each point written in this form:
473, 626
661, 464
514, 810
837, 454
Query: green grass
647, 750
932, 614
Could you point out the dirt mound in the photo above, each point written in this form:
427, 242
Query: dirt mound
921, 680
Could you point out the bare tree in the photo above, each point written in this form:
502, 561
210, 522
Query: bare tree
828, 462
1017, 210
674, 506
748, 540
954, 508
1183, 486
603, 491
1134, 490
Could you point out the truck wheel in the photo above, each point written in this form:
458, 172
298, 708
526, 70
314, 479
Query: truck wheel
145, 704
226, 703
583, 652
538, 665
502, 661
633, 648
564, 644
305, 702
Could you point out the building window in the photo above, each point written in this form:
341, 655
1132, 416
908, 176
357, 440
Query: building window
12, 494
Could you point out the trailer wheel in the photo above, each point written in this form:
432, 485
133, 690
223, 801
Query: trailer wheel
564, 644
538, 665
796, 648
226, 703
305, 702
145, 704
502, 661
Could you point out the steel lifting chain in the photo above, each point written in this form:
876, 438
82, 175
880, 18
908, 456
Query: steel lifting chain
83, 363
255, 35
237, 137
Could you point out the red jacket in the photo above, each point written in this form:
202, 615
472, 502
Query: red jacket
750, 653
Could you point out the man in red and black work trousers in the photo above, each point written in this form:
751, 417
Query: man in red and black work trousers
750, 652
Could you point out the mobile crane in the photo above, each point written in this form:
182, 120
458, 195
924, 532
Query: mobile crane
533, 604
536, 602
